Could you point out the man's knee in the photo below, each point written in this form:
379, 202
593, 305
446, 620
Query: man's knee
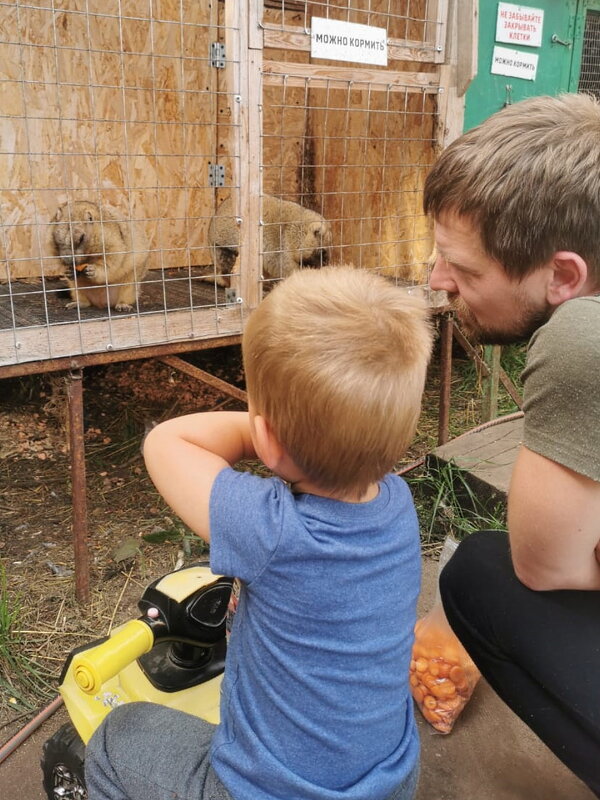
481, 561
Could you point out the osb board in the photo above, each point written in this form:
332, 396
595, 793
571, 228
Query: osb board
117, 109
378, 148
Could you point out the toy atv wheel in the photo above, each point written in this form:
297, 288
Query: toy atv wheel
62, 765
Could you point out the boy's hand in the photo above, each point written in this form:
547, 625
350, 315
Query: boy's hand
184, 456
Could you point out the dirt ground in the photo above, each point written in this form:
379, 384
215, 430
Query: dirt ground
133, 536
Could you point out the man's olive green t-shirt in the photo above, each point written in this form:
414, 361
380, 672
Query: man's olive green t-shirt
562, 387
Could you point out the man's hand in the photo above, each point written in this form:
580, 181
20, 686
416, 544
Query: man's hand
184, 456
554, 525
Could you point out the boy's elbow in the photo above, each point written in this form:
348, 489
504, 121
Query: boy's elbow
150, 443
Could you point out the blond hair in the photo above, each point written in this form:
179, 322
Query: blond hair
529, 179
335, 360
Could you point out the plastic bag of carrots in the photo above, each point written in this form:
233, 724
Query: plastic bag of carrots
442, 674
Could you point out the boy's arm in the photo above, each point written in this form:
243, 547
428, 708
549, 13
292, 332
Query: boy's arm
184, 456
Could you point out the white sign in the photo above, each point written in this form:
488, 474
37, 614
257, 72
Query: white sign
514, 63
519, 25
346, 41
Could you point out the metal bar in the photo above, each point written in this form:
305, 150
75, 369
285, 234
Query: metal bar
113, 356
446, 323
503, 377
205, 377
78, 486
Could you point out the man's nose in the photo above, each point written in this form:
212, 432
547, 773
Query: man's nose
440, 278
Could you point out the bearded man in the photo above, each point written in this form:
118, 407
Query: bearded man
516, 207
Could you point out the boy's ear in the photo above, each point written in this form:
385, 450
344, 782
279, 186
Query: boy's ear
568, 278
267, 445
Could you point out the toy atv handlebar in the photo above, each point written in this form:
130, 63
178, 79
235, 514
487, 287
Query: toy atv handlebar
187, 607
174, 654
97, 665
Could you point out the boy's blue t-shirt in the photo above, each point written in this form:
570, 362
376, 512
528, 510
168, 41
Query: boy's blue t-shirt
315, 701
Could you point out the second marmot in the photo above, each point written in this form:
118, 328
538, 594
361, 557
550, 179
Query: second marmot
293, 237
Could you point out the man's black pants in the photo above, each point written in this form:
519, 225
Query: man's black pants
540, 651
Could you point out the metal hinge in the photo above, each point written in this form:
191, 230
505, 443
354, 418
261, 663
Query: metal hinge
216, 175
217, 55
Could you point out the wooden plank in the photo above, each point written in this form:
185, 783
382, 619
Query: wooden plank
250, 165
491, 356
293, 39
467, 22
211, 380
42, 342
486, 455
377, 80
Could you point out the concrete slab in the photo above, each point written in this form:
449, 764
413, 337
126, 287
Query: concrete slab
490, 754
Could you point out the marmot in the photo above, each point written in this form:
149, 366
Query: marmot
293, 237
98, 249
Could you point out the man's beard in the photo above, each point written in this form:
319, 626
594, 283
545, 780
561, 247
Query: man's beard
523, 328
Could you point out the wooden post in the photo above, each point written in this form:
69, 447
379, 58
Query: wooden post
446, 324
491, 356
78, 486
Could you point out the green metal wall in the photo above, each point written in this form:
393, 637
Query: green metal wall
559, 57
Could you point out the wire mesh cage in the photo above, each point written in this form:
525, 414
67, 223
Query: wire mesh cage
356, 154
163, 161
589, 77
109, 144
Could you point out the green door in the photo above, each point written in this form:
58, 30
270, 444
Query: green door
558, 50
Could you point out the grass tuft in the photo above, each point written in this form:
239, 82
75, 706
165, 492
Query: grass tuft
447, 504
23, 684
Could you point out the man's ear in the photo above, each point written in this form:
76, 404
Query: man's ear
568, 279
267, 445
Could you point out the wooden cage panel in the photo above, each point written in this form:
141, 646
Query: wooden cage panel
116, 109
359, 157
131, 104
381, 146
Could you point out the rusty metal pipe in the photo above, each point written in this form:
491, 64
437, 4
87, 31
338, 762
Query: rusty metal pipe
78, 486
114, 356
200, 374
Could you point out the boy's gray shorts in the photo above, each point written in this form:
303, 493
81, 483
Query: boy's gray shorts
144, 751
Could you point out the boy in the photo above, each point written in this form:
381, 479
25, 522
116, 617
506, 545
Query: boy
315, 702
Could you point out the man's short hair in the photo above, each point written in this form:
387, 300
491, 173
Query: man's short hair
529, 179
335, 360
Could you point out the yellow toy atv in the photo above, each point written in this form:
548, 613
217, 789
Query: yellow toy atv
173, 654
